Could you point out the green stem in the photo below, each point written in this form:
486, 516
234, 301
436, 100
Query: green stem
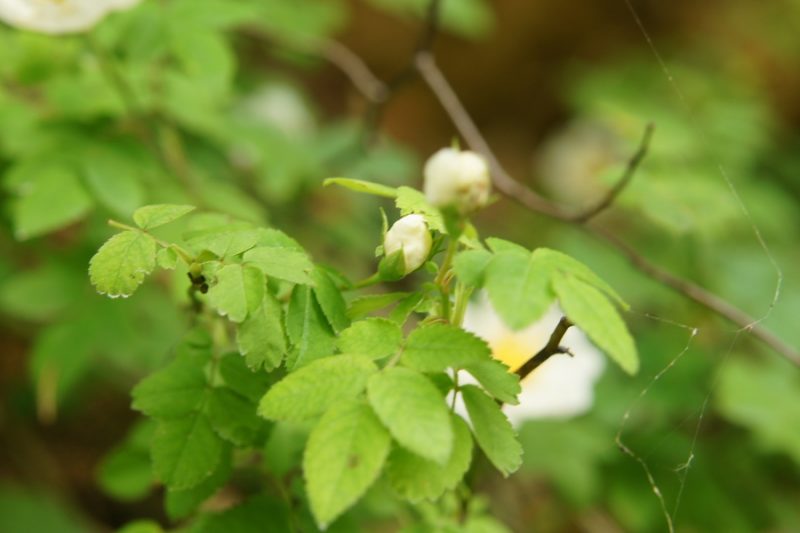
368, 282
463, 294
442, 280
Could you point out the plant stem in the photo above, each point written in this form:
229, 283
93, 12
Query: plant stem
442, 278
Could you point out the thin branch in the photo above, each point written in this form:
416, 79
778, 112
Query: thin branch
552, 348
527, 198
368, 84
425, 64
627, 176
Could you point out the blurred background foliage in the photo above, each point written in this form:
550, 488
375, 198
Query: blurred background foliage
228, 105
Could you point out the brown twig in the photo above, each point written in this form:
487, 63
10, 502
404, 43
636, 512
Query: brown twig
552, 348
627, 176
425, 65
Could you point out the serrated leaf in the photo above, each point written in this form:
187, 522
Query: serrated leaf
308, 329
239, 378
568, 265
519, 287
181, 503
174, 392
224, 241
414, 411
238, 291
410, 201
415, 478
470, 266
153, 216
374, 337
344, 456
185, 451
122, 263
233, 417
330, 300
492, 430
308, 392
167, 258
282, 263
439, 346
367, 187
362, 306
589, 309
261, 338
496, 378
502, 245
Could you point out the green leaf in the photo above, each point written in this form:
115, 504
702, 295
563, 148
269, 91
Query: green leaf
590, 310
182, 503
185, 451
496, 378
261, 338
174, 392
167, 258
502, 245
519, 288
374, 337
257, 514
410, 201
239, 378
282, 263
224, 241
492, 430
233, 417
50, 199
122, 263
308, 329
363, 186
470, 266
125, 473
238, 291
344, 456
308, 392
568, 265
330, 300
762, 395
153, 216
414, 411
415, 478
113, 175
362, 306
440, 346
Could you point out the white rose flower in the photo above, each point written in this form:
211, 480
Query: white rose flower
459, 178
58, 16
411, 235
561, 387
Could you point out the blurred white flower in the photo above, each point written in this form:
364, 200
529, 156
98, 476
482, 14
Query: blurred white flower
561, 387
281, 106
457, 178
411, 235
571, 163
58, 16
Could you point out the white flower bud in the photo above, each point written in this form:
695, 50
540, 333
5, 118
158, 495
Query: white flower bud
456, 178
411, 235
58, 16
